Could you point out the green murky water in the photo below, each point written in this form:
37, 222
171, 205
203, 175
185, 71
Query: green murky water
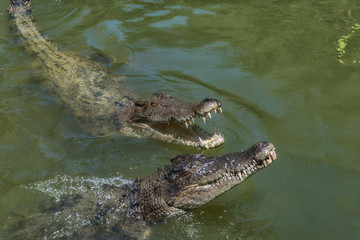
286, 71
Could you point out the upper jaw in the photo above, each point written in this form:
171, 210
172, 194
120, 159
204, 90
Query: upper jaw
247, 168
202, 110
219, 176
206, 106
203, 114
269, 156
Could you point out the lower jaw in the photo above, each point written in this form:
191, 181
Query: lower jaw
209, 143
192, 136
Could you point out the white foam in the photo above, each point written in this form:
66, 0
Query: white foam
65, 185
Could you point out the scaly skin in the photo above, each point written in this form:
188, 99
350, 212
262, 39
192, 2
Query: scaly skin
96, 97
188, 182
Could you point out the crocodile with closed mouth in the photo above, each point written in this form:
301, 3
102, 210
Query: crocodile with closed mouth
123, 212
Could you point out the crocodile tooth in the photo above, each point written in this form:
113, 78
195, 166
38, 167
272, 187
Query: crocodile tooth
220, 109
186, 125
215, 110
209, 114
204, 120
215, 133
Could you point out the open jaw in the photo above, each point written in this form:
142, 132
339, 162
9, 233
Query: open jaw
184, 130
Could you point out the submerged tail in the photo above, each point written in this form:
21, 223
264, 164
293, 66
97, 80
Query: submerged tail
75, 79
30, 36
18, 3
22, 6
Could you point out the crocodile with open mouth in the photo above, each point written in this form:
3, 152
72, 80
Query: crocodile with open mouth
96, 97
122, 212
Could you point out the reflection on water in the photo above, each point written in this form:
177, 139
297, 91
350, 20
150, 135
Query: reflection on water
285, 71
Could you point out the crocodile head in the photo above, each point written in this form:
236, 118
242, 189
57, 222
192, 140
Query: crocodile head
166, 118
192, 180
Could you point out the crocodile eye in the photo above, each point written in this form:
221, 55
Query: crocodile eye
171, 177
153, 104
175, 174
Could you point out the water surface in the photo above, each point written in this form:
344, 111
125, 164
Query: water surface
286, 72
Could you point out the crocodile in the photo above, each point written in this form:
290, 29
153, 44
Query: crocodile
124, 212
97, 98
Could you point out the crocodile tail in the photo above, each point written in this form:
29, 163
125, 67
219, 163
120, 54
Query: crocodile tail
18, 3
25, 28
23, 6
